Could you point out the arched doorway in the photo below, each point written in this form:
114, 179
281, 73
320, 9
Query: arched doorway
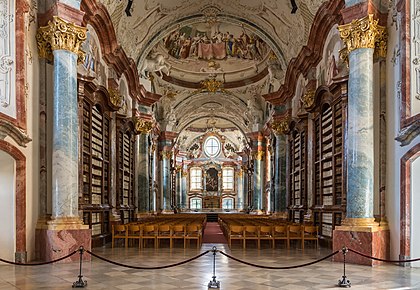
415, 197
7, 206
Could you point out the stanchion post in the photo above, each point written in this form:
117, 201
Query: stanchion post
344, 282
213, 284
80, 283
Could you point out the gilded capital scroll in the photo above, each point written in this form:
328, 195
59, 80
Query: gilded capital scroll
364, 33
60, 35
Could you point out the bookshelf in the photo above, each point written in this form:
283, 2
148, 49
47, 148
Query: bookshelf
297, 179
125, 171
329, 202
95, 170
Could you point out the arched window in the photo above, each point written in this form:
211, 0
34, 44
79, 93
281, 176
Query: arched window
195, 179
227, 203
212, 146
195, 203
228, 178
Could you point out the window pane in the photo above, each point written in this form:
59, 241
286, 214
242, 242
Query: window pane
228, 178
195, 178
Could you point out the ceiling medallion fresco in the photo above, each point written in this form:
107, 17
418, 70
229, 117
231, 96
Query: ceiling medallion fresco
209, 50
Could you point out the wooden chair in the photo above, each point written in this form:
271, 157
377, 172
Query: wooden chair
134, 233
295, 233
265, 233
119, 232
178, 233
251, 233
310, 233
236, 233
280, 233
164, 233
149, 233
193, 232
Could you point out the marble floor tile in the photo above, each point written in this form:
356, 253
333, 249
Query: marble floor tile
196, 274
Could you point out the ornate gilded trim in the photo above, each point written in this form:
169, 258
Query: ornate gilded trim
280, 127
116, 98
308, 99
211, 85
142, 126
61, 35
364, 33
259, 155
166, 154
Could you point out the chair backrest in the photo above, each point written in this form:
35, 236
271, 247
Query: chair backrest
148, 228
310, 230
265, 229
164, 228
295, 229
251, 230
134, 228
178, 228
192, 228
280, 229
119, 228
237, 229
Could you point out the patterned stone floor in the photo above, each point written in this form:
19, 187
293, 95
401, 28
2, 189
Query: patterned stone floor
197, 274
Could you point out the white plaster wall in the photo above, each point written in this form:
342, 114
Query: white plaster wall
7, 207
415, 214
394, 150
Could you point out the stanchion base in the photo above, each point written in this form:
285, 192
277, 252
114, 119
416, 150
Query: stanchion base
79, 283
214, 284
344, 282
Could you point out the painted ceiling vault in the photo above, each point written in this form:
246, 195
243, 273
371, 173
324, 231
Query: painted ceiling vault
212, 60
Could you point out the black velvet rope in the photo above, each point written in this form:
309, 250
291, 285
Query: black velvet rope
40, 263
279, 268
147, 268
383, 260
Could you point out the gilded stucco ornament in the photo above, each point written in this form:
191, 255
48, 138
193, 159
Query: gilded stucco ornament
308, 99
166, 154
364, 33
280, 127
142, 126
116, 98
211, 85
259, 155
61, 35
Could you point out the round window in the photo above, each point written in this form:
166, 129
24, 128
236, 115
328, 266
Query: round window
212, 146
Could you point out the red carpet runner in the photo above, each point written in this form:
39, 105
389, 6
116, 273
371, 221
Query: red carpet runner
213, 234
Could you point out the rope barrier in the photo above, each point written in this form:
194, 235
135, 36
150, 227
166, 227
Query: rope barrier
279, 268
147, 268
383, 260
40, 263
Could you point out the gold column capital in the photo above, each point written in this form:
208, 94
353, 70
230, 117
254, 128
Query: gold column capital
166, 154
280, 127
259, 155
142, 126
364, 33
60, 35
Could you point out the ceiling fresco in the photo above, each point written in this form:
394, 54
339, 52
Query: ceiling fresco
212, 60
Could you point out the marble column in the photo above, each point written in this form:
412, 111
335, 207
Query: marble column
240, 189
258, 148
184, 199
280, 204
359, 229
154, 186
179, 187
142, 172
165, 143
61, 41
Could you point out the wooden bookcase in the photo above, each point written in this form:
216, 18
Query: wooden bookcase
329, 202
297, 178
125, 171
95, 202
